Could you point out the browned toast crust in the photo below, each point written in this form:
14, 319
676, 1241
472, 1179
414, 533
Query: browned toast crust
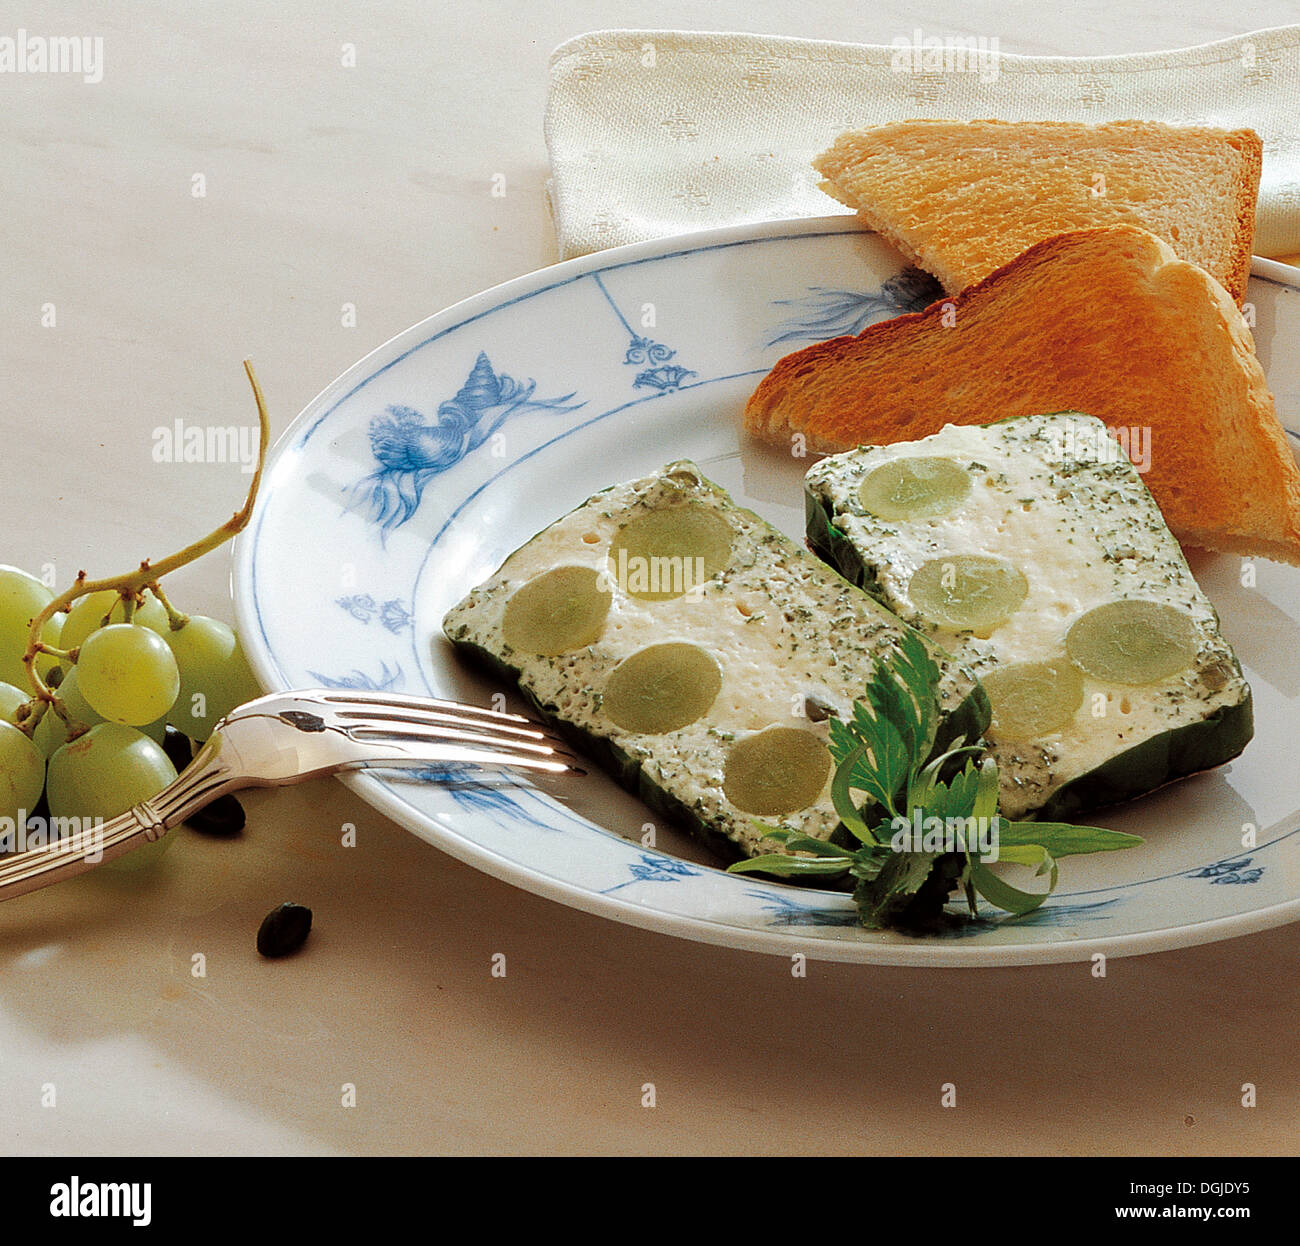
898, 177
1106, 321
1252, 150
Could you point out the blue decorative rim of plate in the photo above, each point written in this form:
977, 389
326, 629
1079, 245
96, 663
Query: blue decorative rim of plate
408, 479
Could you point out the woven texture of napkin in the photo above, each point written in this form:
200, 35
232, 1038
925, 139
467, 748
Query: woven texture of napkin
656, 132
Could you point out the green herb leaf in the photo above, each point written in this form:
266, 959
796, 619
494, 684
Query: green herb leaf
892, 732
919, 674
784, 866
1063, 840
996, 891
818, 847
841, 796
867, 865
924, 787
1027, 854
985, 802
884, 896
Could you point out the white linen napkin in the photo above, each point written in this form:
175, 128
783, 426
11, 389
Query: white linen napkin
659, 132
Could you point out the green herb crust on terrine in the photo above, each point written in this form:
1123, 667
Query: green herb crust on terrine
1032, 551
695, 651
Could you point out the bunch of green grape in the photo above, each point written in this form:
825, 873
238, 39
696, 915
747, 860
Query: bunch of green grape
127, 680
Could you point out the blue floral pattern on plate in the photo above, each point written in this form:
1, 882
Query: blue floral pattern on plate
471, 786
825, 313
391, 615
662, 379
1230, 870
359, 681
655, 868
412, 450
787, 911
661, 376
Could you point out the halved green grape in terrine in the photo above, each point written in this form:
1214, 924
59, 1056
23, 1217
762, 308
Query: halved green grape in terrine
696, 652
1032, 551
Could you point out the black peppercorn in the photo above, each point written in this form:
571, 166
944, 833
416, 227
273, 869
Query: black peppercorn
284, 930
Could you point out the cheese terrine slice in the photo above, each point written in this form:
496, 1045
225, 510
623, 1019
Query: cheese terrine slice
1032, 551
696, 652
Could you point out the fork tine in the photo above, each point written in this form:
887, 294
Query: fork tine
436, 752
380, 701
373, 707
372, 732
434, 717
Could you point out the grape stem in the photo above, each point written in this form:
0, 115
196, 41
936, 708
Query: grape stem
132, 586
175, 619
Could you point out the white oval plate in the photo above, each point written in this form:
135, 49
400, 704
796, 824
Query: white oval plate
412, 476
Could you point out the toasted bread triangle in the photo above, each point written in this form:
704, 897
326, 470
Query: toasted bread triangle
1105, 321
961, 198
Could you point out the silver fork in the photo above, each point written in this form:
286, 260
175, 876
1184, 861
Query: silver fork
289, 737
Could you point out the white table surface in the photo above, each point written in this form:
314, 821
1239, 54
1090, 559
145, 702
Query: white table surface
372, 186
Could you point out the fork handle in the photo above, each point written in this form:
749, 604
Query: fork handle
210, 774
80, 851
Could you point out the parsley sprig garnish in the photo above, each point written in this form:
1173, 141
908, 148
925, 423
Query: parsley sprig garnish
912, 801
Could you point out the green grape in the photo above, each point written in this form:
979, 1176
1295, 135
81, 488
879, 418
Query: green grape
10, 699
1032, 699
88, 614
104, 773
150, 613
1132, 641
22, 598
51, 731
661, 688
663, 554
914, 488
128, 674
22, 772
558, 611
215, 677
143, 857
778, 770
973, 592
